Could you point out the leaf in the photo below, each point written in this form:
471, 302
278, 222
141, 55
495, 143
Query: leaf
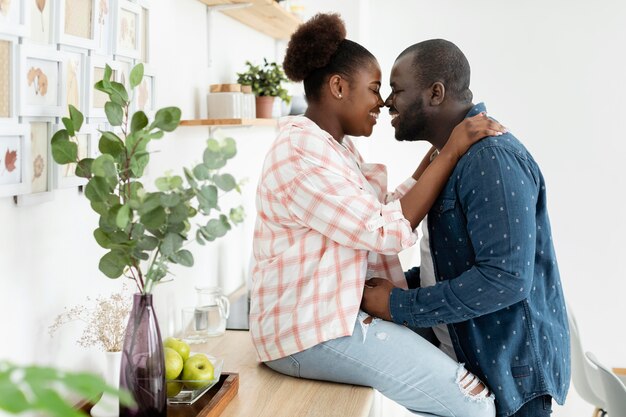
236, 215
112, 264
110, 144
114, 113
138, 163
183, 257
97, 190
208, 196
225, 182
102, 238
139, 121
147, 243
119, 90
178, 213
171, 243
69, 126
170, 200
83, 168
77, 118
154, 219
64, 151
136, 75
201, 172
216, 228
229, 148
167, 119
104, 166
123, 216
190, 178
213, 160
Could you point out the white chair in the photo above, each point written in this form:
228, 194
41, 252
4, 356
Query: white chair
614, 389
585, 377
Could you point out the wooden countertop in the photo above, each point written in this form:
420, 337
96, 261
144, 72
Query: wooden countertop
265, 393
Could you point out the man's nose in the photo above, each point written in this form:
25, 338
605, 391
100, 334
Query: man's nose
388, 101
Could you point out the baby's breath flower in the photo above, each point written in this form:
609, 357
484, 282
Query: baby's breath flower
105, 323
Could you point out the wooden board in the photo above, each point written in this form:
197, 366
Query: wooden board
229, 122
212, 402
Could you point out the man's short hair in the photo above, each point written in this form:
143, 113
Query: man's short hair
439, 60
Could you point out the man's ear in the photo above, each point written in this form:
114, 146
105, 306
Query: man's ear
337, 86
437, 93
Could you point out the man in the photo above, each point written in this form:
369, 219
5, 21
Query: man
489, 283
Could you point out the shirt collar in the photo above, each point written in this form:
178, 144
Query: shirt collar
476, 109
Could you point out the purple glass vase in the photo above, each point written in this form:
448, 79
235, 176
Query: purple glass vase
142, 370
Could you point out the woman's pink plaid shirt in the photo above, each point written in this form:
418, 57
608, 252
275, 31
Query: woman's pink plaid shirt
325, 223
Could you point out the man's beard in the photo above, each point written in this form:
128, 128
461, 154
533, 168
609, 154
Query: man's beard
412, 124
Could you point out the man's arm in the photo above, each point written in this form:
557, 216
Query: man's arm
498, 193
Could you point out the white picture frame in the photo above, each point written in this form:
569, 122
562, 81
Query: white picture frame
41, 22
146, 50
95, 71
76, 23
14, 156
127, 29
13, 19
75, 78
103, 27
40, 81
9, 63
144, 97
86, 139
40, 161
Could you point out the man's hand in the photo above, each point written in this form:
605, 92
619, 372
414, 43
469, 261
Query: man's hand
376, 298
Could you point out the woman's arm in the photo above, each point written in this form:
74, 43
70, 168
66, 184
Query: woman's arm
418, 200
425, 162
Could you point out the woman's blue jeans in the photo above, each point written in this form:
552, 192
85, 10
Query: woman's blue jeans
397, 362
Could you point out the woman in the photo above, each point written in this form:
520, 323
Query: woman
325, 224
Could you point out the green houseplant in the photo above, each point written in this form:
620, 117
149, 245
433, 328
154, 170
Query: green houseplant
143, 230
266, 81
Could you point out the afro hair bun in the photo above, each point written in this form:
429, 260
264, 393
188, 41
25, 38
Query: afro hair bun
313, 44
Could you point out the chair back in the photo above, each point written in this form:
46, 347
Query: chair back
614, 388
584, 374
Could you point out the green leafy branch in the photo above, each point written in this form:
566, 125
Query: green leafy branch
24, 388
137, 225
265, 80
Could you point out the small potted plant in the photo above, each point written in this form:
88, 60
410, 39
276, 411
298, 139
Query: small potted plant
266, 81
144, 229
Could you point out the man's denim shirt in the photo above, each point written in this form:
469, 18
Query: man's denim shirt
498, 285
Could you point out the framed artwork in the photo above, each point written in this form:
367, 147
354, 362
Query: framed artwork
76, 23
75, 78
13, 17
41, 21
65, 175
127, 38
8, 79
102, 28
95, 72
145, 31
40, 161
40, 82
144, 98
14, 159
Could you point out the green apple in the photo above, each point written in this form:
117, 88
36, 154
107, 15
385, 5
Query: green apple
179, 346
197, 368
173, 363
173, 388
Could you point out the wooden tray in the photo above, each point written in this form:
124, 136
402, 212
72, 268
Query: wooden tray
212, 402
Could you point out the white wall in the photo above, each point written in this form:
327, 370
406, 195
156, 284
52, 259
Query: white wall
553, 72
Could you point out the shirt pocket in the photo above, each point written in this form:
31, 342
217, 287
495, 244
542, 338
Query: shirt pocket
448, 226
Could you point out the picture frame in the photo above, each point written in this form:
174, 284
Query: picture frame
95, 72
41, 22
40, 81
76, 23
103, 27
40, 160
145, 55
13, 20
86, 139
14, 159
9, 63
145, 93
75, 78
127, 30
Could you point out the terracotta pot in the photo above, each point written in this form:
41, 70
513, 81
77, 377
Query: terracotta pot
264, 105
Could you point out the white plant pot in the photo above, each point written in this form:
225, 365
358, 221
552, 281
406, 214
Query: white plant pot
108, 406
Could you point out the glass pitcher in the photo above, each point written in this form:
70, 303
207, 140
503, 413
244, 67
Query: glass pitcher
208, 317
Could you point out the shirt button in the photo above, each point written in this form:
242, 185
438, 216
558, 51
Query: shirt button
405, 323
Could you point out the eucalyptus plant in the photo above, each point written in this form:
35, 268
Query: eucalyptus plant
266, 80
144, 230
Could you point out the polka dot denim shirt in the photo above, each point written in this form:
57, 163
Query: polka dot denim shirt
498, 285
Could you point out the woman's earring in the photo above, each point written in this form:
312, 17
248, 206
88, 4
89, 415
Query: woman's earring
339, 96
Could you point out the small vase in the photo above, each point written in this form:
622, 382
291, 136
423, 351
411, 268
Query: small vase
142, 370
108, 404
264, 107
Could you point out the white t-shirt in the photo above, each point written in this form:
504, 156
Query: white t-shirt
427, 279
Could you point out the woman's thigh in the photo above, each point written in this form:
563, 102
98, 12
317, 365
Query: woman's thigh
397, 362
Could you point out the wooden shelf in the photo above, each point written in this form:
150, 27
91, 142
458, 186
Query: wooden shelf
266, 16
229, 122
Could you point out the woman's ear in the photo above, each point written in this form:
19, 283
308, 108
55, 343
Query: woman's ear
337, 86
437, 93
